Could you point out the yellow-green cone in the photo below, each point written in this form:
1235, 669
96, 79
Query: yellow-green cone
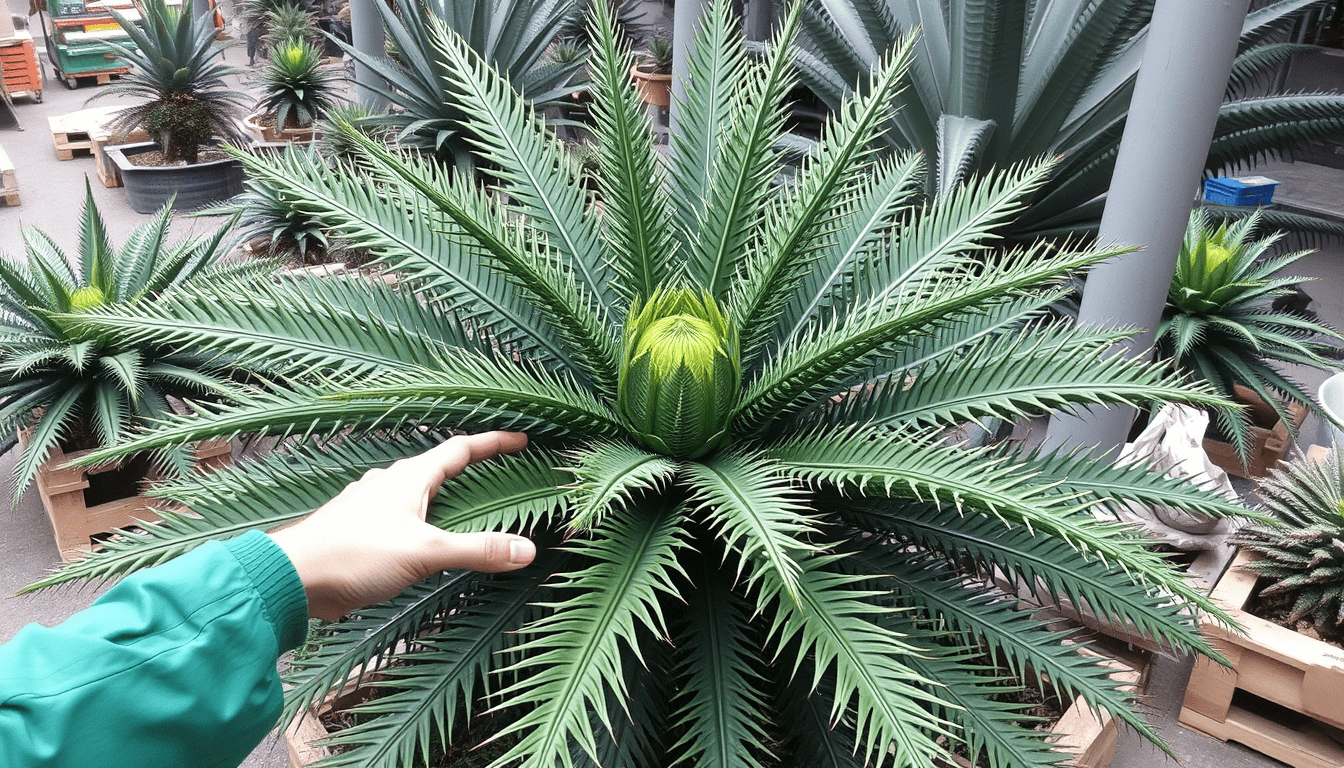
86, 298
681, 373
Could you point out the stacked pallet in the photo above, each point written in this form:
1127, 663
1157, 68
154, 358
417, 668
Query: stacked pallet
9, 182
71, 133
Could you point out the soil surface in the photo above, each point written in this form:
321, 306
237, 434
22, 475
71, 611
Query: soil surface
1277, 608
155, 158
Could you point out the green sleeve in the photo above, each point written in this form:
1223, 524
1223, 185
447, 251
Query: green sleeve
174, 666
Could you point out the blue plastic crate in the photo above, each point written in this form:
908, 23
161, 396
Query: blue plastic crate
1245, 190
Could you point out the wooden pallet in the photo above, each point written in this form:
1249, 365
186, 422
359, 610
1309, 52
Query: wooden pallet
71, 133
99, 139
1269, 445
1298, 673
9, 181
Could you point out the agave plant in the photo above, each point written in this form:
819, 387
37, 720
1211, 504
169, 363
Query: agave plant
62, 383
513, 35
739, 395
1300, 543
1220, 325
295, 89
1005, 81
175, 64
289, 21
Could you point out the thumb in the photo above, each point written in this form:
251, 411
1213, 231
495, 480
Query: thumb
483, 552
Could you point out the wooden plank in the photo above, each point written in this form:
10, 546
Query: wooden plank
9, 180
1304, 748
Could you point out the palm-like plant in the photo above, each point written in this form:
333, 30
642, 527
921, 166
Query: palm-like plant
295, 89
176, 66
61, 382
513, 35
738, 394
1000, 82
1220, 325
1299, 542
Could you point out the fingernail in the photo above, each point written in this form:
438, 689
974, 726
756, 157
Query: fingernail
521, 551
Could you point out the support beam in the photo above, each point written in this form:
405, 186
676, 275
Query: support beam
366, 36
1191, 44
760, 16
685, 21
200, 8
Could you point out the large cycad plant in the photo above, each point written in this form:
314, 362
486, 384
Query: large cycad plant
759, 546
1002, 81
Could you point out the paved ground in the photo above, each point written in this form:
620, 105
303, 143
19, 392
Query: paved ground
52, 190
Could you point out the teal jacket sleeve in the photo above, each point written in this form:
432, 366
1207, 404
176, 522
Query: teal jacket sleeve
174, 666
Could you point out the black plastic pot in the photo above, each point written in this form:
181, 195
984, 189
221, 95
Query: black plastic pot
196, 186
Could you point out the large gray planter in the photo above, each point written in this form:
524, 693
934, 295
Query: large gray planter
196, 186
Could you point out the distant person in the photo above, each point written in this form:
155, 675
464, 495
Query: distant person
175, 666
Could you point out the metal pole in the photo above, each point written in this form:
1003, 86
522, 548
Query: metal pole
759, 16
200, 8
685, 19
1191, 44
366, 36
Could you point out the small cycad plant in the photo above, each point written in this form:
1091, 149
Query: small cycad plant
1220, 325
758, 545
1302, 542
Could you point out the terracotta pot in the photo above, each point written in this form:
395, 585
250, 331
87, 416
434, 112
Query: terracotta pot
654, 89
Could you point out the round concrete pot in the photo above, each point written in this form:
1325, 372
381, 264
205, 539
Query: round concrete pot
195, 186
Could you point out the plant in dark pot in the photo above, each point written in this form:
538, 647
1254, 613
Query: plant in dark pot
176, 67
764, 550
1221, 326
296, 91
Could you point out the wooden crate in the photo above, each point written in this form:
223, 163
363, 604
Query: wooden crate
75, 522
1268, 445
99, 139
9, 181
1293, 671
18, 62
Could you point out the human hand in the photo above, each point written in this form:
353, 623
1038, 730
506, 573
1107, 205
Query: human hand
371, 542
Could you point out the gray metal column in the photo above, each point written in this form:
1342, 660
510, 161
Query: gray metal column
685, 20
759, 16
200, 8
366, 35
1191, 44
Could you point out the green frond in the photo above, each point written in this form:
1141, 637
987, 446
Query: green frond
862, 223
513, 493
757, 511
1255, 129
1145, 594
534, 266
815, 365
367, 636
571, 658
838, 627
638, 231
720, 695
436, 686
96, 255
800, 222
1027, 647
527, 158
1255, 64
816, 737
405, 233
56, 421
716, 78
613, 473
295, 327
1039, 369
484, 391
917, 466
740, 182
230, 501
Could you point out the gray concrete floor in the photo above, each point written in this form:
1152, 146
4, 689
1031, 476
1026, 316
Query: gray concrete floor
51, 192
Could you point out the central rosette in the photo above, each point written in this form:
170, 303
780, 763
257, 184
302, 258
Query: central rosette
681, 373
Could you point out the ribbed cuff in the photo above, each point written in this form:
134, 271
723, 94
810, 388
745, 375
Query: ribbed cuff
278, 583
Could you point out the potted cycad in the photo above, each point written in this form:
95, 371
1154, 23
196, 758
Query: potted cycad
653, 73
692, 478
68, 390
176, 67
296, 91
1291, 570
1220, 326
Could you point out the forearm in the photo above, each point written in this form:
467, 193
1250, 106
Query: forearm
174, 666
